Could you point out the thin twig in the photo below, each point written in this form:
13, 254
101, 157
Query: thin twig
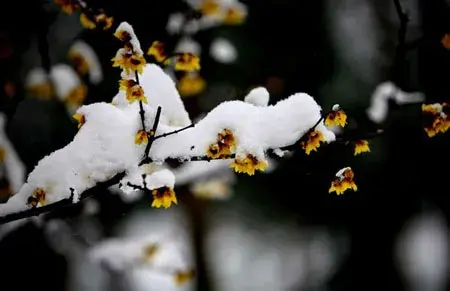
174, 132
136, 187
151, 138
401, 35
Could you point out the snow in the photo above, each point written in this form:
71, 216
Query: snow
422, 251
379, 106
223, 51
103, 147
36, 76
256, 129
258, 97
81, 48
340, 173
105, 143
64, 79
15, 169
175, 23
160, 90
188, 45
154, 178
125, 26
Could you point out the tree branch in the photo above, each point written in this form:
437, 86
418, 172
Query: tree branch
61, 204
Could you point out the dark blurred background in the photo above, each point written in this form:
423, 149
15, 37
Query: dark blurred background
288, 231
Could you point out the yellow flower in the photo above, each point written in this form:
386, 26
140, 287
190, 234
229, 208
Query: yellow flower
129, 62
163, 197
150, 251
446, 41
126, 84
191, 85
224, 147
361, 146
104, 21
233, 16
313, 142
86, 22
141, 137
248, 165
77, 95
182, 277
122, 35
80, 119
209, 7
38, 197
136, 93
187, 62
336, 117
41, 91
343, 182
157, 51
67, 6
79, 62
437, 119
2, 155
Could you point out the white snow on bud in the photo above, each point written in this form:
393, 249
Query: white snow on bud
258, 97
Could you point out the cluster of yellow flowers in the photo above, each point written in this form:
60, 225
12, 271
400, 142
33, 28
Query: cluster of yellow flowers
437, 118
186, 62
89, 19
225, 147
344, 178
336, 117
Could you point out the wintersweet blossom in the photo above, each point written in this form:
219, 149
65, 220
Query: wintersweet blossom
104, 21
312, 143
182, 277
437, 118
248, 164
336, 117
361, 146
85, 61
163, 197
187, 62
37, 198
209, 7
224, 146
68, 86
86, 22
79, 62
234, 16
38, 84
343, 181
141, 137
80, 119
191, 85
157, 50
